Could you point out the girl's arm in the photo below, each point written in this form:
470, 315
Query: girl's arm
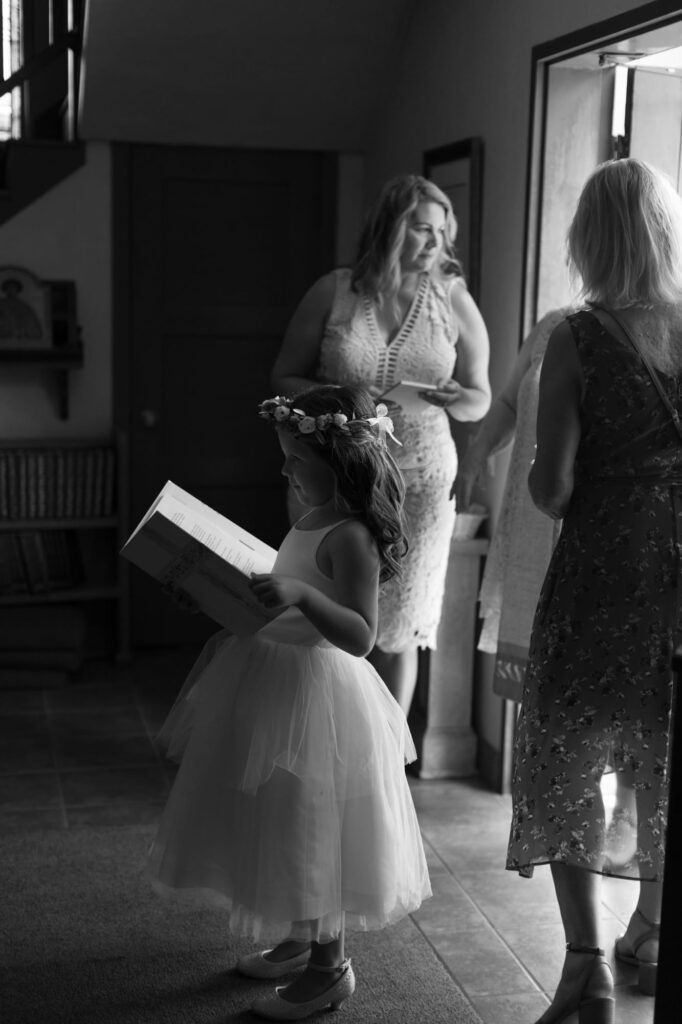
294, 368
349, 555
467, 396
558, 430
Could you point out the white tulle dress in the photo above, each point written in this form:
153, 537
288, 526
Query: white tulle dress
291, 800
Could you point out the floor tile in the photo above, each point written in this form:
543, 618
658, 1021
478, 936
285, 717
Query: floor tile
22, 723
86, 751
123, 721
100, 786
31, 819
29, 790
498, 934
481, 963
138, 812
511, 1009
28, 752
82, 696
22, 701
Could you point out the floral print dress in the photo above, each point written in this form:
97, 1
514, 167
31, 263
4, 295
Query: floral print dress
590, 772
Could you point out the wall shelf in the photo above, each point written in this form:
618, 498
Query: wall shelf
39, 327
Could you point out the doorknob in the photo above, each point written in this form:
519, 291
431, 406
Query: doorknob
149, 417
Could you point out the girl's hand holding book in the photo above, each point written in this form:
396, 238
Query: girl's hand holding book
276, 591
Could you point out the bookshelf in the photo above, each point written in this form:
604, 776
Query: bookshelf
60, 532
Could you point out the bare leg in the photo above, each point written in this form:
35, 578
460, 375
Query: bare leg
398, 669
650, 893
579, 896
313, 983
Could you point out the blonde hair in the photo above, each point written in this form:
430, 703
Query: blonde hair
625, 240
377, 266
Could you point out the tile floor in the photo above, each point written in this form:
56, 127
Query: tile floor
83, 755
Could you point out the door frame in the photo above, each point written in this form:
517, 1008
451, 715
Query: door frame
657, 14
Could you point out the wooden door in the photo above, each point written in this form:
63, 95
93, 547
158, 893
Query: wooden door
223, 244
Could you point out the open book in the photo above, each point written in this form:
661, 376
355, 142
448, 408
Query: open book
184, 543
406, 394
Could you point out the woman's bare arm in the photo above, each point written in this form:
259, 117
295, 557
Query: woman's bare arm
467, 397
294, 368
558, 428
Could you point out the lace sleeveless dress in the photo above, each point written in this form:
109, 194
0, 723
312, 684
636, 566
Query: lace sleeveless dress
291, 805
352, 352
598, 685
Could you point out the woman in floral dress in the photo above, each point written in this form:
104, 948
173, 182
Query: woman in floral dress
597, 695
402, 312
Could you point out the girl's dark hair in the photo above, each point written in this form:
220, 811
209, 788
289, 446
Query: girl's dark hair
369, 483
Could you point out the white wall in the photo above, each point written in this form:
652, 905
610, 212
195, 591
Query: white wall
66, 235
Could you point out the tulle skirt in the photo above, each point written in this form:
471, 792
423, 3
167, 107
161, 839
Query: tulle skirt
291, 802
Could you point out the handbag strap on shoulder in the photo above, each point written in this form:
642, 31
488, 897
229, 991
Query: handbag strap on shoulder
674, 414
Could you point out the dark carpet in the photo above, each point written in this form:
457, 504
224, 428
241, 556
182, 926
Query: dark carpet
85, 940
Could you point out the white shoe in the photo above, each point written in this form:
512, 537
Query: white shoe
256, 966
277, 1008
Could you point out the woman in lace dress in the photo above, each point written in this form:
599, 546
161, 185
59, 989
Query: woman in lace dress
598, 687
402, 313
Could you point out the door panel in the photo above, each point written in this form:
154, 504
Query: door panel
223, 245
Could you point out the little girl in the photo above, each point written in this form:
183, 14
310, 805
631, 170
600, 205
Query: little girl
291, 800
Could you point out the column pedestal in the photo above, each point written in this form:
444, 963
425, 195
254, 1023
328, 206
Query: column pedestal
449, 744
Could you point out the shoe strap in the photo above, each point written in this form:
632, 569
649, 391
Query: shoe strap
594, 950
329, 970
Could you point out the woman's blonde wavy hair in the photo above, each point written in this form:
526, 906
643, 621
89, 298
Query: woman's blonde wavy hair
377, 267
625, 240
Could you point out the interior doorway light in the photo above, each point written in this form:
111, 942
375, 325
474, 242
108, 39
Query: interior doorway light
668, 60
620, 99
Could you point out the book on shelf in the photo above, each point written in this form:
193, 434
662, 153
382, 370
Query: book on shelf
57, 481
406, 394
187, 545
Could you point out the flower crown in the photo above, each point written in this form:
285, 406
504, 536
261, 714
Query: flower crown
281, 411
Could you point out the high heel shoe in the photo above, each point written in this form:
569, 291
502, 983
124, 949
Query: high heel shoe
256, 966
277, 1008
590, 993
629, 953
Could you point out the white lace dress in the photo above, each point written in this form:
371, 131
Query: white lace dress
352, 352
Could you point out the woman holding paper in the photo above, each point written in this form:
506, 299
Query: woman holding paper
402, 313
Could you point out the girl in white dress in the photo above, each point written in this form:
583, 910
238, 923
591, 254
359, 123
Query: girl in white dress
291, 799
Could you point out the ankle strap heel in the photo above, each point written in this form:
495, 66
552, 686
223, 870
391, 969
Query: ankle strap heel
329, 970
597, 1011
593, 950
647, 974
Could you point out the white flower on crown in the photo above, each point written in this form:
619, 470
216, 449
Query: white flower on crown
307, 425
339, 419
281, 412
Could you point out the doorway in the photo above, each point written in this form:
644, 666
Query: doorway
221, 245
612, 90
